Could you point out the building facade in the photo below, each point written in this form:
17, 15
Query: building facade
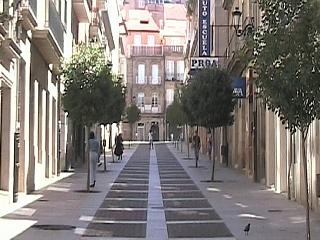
35, 36
257, 143
154, 60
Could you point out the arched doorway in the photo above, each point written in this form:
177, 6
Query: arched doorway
155, 130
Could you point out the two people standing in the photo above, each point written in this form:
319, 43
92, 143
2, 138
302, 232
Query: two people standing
118, 151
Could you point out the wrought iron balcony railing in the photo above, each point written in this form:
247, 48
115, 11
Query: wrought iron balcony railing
145, 50
56, 25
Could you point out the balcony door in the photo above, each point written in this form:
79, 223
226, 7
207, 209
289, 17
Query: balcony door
155, 74
151, 40
141, 74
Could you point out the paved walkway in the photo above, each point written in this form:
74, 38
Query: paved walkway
158, 194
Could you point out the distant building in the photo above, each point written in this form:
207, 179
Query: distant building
155, 62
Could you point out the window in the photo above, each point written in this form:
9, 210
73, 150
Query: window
140, 102
151, 40
180, 70
141, 3
137, 40
141, 74
155, 74
169, 96
154, 100
170, 69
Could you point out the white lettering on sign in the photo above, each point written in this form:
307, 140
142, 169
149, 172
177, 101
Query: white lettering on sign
203, 62
237, 92
204, 28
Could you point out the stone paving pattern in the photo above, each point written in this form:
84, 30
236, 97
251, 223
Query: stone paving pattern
191, 221
118, 216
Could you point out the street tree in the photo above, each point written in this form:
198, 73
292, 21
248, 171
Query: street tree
114, 109
210, 100
175, 114
287, 61
133, 115
87, 87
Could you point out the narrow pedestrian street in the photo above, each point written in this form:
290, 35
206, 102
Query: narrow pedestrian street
157, 194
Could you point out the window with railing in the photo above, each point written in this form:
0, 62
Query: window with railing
145, 50
154, 100
56, 25
141, 74
140, 101
169, 69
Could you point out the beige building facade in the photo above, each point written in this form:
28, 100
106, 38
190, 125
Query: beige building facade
35, 37
258, 144
155, 64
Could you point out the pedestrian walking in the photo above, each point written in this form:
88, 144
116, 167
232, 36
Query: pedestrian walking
118, 151
94, 153
196, 146
150, 136
210, 146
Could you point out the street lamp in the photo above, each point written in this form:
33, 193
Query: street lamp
236, 15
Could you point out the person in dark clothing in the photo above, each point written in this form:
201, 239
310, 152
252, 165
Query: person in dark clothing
118, 151
196, 144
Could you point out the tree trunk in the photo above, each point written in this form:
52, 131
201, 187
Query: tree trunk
290, 167
188, 144
87, 156
305, 173
104, 148
110, 142
213, 155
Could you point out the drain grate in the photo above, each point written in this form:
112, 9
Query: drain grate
85, 191
156, 207
275, 210
43, 200
53, 227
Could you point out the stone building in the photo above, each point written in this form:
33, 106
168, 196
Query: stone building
155, 64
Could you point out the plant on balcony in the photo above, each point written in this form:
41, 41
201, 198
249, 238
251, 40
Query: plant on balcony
287, 60
88, 87
191, 6
208, 101
133, 115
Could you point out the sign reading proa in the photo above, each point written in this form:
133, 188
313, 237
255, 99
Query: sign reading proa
203, 62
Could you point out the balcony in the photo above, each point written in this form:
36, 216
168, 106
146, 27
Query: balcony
141, 79
145, 50
173, 49
154, 80
29, 14
174, 77
149, 108
95, 26
82, 9
10, 49
50, 38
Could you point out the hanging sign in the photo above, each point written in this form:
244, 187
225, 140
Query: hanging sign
204, 28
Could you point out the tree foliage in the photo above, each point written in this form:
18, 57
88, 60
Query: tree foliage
208, 99
174, 114
87, 85
287, 60
133, 114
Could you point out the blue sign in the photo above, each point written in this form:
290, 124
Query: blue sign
204, 28
239, 87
